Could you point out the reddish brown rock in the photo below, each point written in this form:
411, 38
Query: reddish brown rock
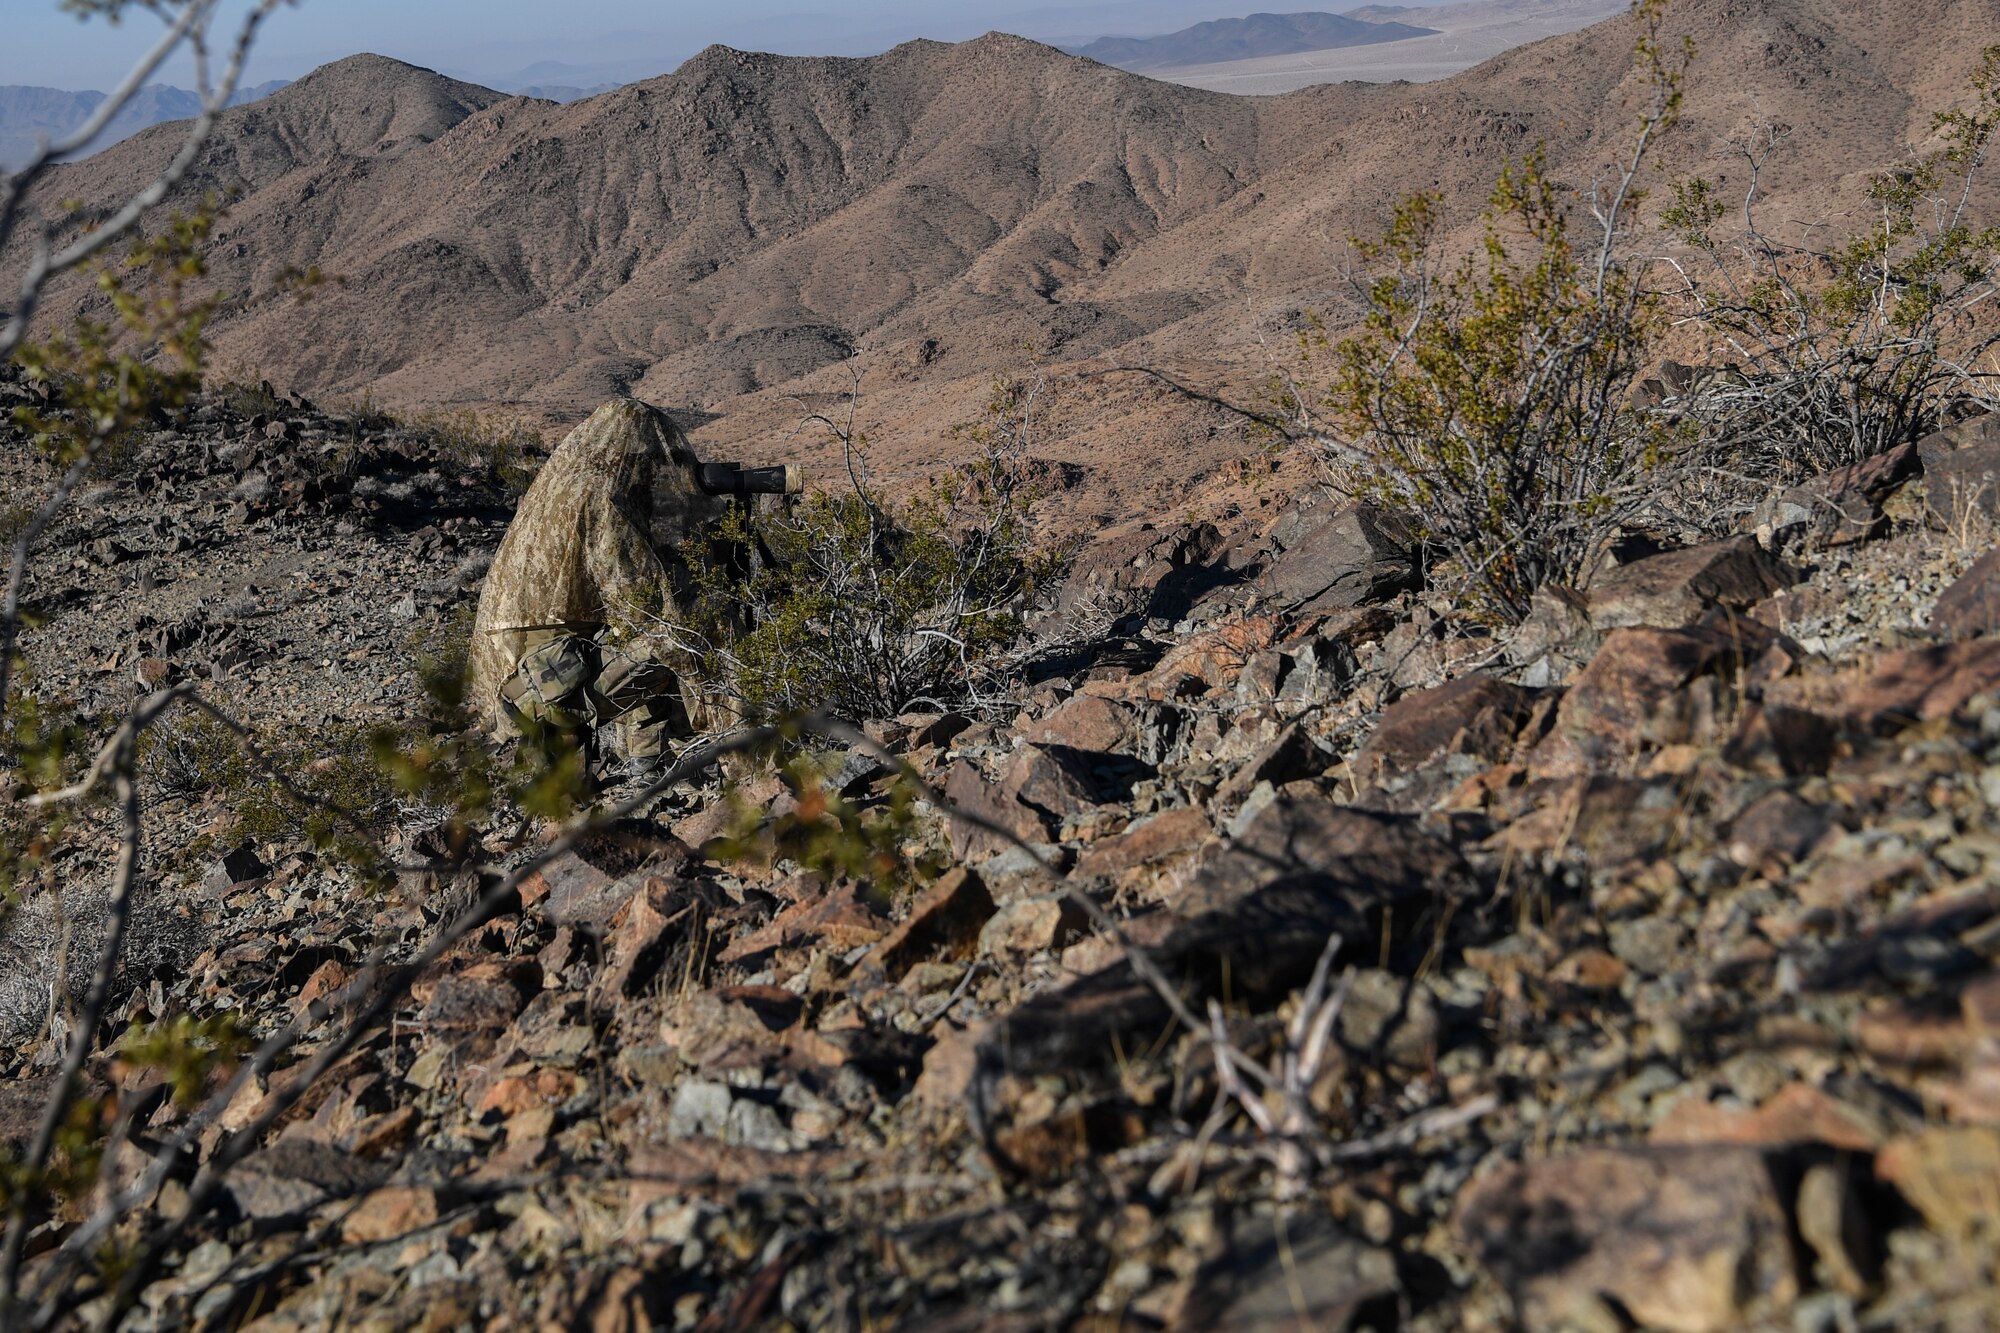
632, 947
1846, 885
329, 978
969, 792
1634, 695
1052, 780
571, 891
1613, 820
1214, 657
1776, 831
1800, 1113
1777, 741
1029, 926
1677, 588
1971, 606
1086, 722
731, 1025
843, 918
394, 1210
1913, 1035
566, 882
1590, 970
1295, 839
947, 1071
295, 1175
1171, 833
481, 998
1836, 508
947, 919
1688, 1239
1475, 715
1924, 684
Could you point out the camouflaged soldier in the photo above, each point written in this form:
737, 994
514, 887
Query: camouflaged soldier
546, 649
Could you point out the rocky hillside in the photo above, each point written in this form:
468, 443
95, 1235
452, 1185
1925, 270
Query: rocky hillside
750, 231
1657, 948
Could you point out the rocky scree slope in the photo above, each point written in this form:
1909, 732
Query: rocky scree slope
1668, 942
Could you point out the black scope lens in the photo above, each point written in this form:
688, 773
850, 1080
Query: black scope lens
736, 479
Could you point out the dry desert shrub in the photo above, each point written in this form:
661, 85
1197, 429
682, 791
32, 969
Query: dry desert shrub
1487, 398
1835, 352
863, 606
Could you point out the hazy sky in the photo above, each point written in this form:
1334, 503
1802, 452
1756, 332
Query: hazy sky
599, 40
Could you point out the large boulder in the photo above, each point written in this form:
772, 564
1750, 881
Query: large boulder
1144, 568
1634, 694
1339, 558
1474, 715
1675, 589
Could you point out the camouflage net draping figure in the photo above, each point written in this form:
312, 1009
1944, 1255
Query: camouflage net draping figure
549, 655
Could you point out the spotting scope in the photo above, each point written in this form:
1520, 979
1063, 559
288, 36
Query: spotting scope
736, 479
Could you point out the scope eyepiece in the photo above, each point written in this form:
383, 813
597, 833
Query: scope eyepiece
736, 479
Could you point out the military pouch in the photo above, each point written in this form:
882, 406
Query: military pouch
549, 682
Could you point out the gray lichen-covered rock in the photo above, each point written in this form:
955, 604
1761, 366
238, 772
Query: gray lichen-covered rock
1349, 557
1962, 472
1836, 508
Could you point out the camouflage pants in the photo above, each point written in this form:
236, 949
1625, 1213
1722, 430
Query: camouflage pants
583, 686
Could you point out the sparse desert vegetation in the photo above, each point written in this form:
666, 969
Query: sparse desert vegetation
1497, 832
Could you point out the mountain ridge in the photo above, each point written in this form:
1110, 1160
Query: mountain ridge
29, 113
750, 230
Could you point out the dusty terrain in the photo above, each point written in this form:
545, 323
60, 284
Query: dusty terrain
1281, 950
1256, 37
1664, 941
1464, 36
747, 233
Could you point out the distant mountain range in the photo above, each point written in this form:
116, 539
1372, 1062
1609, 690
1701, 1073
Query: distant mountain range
1248, 39
28, 114
562, 92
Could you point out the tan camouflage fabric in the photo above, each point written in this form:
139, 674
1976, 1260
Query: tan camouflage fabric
580, 546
